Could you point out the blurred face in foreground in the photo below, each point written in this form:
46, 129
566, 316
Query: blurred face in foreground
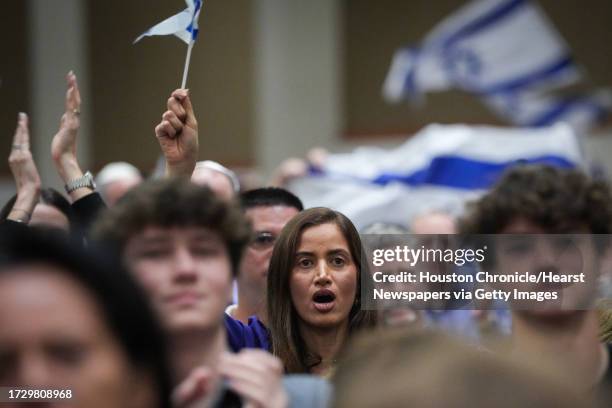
52, 336
562, 254
187, 273
323, 281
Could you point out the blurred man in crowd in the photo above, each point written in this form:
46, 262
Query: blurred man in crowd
547, 200
115, 179
268, 210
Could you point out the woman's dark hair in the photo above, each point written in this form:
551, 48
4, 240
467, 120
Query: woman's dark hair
124, 306
48, 196
287, 342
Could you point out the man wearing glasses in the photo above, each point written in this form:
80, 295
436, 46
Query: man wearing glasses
268, 209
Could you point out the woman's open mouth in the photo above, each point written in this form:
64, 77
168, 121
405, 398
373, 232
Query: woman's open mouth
324, 300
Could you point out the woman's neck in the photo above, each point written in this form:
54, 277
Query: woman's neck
189, 350
325, 343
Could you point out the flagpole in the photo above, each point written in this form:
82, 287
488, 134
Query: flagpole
187, 61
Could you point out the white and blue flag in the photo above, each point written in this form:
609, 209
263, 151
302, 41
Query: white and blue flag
506, 52
533, 109
184, 25
439, 168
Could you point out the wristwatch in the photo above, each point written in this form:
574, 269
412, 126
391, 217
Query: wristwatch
86, 181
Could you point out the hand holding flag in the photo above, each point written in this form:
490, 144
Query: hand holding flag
177, 135
184, 25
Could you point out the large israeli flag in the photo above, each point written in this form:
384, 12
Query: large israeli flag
439, 168
506, 52
184, 25
534, 109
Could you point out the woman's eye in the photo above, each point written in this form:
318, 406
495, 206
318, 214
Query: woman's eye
304, 263
338, 261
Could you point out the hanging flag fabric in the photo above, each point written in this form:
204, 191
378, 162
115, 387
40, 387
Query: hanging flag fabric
533, 109
184, 25
507, 53
439, 168
487, 47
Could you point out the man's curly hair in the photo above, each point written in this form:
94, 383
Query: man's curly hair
173, 203
558, 200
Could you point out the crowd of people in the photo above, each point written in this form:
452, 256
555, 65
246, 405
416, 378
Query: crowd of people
184, 291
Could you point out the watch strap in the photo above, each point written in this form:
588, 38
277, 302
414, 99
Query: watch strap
85, 181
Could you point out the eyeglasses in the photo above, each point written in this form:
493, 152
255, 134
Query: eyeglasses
263, 240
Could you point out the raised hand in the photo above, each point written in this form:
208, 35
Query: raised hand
256, 376
64, 144
27, 179
63, 147
293, 167
288, 170
177, 135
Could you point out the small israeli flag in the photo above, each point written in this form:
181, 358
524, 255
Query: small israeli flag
184, 25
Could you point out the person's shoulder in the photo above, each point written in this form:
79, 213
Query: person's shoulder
257, 325
231, 310
306, 391
251, 335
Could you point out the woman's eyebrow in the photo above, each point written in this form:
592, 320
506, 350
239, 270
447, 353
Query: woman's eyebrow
340, 251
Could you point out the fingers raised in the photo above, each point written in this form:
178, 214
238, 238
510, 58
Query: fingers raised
22, 134
73, 95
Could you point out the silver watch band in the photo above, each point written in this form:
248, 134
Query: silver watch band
85, 181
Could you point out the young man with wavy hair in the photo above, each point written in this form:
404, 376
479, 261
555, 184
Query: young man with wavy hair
545, 200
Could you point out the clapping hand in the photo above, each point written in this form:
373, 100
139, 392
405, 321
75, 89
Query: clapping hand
27, 179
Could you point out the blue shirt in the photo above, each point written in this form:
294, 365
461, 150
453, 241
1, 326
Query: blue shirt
251, 335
